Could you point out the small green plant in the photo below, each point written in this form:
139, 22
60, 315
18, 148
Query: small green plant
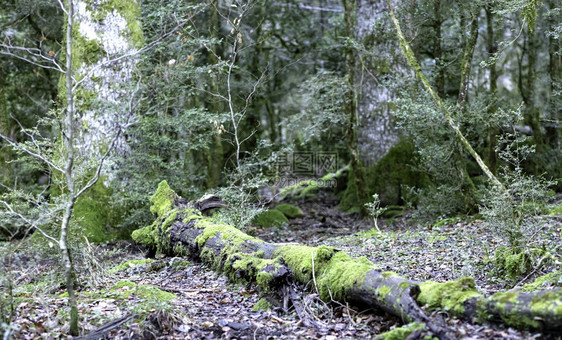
514, 213
375, 210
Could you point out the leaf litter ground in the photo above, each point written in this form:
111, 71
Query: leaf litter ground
207, 306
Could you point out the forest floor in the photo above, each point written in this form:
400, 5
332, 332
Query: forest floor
205, 305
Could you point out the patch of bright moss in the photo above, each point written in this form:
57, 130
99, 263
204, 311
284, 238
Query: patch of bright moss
151, 298
401, 333
147, 236
542, 282
449, 296
162, 200
270, 218
129, 264
289, 210
153, 293
262, 304
335, 271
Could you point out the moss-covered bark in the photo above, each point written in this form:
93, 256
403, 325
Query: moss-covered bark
181, 230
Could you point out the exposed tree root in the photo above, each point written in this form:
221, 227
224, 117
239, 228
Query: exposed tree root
180, 229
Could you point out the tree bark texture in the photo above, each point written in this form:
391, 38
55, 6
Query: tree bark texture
179, 229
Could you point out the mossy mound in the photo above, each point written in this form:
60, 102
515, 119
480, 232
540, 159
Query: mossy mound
289, 210
395, 170
270, 218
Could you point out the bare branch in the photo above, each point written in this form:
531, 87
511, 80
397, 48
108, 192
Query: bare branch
31, 153
33, 224
36, 53
62, 7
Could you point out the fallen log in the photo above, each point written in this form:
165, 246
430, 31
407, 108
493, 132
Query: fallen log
180, 229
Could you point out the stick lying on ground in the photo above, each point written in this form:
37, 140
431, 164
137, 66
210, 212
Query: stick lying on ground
180, 229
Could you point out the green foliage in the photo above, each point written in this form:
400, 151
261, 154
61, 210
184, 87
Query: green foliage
374, 208
512, 261
324, 98
514, 214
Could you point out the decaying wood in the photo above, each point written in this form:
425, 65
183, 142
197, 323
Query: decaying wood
182, 230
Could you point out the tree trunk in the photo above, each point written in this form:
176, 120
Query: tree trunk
180, 229
351, 108
377, 131
492, 50
68, 172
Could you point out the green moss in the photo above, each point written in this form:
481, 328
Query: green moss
262, 304
542, 282
124, 283
549, 303
306, 189
270, 218
147, 236
299, 259
162, 200
449, 296
504, 305
228, 233
153, 293
94, 217
335, 272
395, 170
401, 333
389, 274
129, 264
383, 292
289, 210
151, 298
169, 220
130, 11
350, 201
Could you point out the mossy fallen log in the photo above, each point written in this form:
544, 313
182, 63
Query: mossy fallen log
180, 229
